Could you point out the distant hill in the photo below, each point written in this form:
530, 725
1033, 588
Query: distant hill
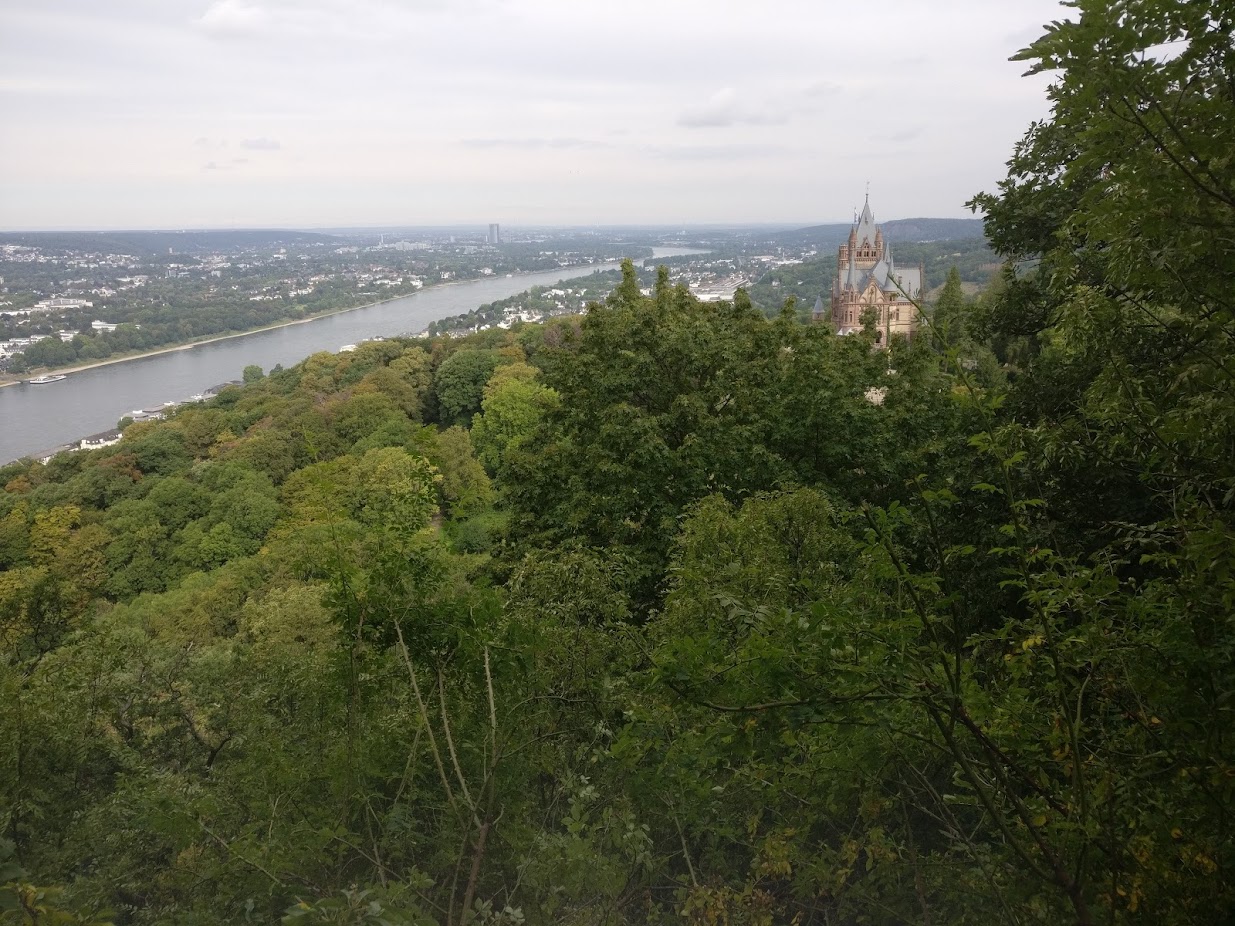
896, 229
157, 242
933, 229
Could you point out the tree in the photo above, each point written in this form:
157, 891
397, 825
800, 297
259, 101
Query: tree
464, 485
252, 374
947, 325
513, 404
1116, 218
393, 490
664, 400
459, 384
178, 500
14, 536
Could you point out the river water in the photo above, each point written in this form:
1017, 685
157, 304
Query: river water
38, 418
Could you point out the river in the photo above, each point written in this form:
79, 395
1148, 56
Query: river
38, 418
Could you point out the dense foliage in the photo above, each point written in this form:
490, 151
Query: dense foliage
677, 612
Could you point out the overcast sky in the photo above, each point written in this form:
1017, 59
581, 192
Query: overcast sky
204, 113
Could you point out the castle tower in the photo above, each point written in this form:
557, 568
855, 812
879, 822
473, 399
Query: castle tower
868, 284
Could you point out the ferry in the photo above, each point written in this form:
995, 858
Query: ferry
41, 380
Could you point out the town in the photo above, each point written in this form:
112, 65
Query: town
771, 265
80, 298
71, 299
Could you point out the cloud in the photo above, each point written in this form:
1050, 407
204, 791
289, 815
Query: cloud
712, 152
232, 19
528, 98
230, 164
534, 143
723, 108
52, 86
821, 88
261, 144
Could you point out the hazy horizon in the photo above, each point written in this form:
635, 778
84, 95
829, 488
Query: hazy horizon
476, 227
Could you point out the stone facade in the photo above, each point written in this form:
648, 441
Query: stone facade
868, 281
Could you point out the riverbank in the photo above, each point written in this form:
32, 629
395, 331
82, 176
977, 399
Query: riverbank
92, 400
10, 380
189, 345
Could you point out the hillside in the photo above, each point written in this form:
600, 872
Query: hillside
897, 230
556, 601
674, 613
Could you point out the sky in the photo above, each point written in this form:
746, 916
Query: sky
319, 113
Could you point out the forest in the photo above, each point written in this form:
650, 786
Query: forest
672, 612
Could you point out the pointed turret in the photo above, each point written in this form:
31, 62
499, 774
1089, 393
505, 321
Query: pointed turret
865, 231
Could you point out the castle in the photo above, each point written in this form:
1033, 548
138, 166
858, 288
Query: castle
867, 280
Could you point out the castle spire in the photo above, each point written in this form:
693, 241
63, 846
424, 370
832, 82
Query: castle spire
866, 218
867, 278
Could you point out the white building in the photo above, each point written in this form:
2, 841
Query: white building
61, 304
102, 439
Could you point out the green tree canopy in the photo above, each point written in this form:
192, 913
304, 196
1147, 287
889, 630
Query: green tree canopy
459, 383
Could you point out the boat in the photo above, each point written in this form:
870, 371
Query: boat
41, 380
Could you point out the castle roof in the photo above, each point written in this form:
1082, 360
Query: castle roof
887, 276
865, 228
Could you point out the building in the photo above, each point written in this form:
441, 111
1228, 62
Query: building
102, 439
62, 304
869, 284
495, 233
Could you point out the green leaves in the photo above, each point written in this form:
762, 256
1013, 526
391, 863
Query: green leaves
371, 907
459, 383
738, 644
